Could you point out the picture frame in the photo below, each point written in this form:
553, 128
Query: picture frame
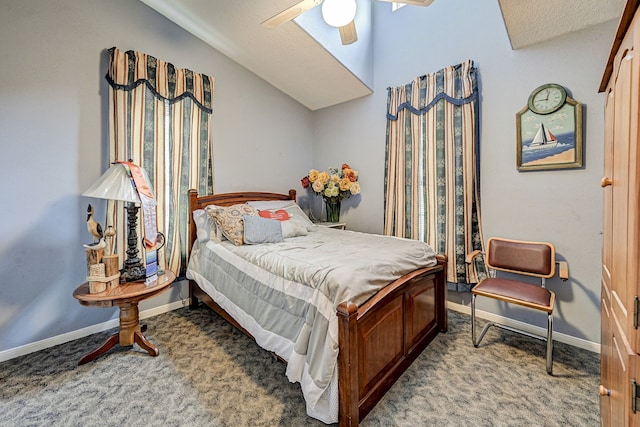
549, 141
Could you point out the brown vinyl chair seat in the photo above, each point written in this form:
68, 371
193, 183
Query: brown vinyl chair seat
521, 293
536, 259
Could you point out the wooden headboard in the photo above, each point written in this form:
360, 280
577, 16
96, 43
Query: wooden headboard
228, 199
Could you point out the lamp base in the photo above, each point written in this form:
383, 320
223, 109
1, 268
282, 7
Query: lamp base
135, 273
133, 270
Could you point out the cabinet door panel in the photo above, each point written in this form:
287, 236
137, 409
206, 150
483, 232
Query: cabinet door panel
606, 352
621, 370
619, 189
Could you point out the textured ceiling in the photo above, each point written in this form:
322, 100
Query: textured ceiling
292, 61
529, 22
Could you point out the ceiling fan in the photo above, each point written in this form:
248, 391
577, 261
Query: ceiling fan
337, 13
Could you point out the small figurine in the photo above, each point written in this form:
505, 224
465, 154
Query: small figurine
94, 228
109, 235
100, 244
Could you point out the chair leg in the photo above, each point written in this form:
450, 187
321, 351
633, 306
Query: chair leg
550, 344
476, 341
473, 320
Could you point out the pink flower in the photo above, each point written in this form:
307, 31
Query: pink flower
350, 174
305, 182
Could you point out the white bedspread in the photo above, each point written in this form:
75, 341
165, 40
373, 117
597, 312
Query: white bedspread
286, 295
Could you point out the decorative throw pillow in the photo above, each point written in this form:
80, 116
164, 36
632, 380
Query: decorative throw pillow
216, 233
280, 214
261, 230
230, 221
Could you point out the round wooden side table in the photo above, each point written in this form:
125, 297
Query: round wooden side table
126, 296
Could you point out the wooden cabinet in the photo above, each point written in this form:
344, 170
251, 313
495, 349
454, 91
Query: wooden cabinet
621, 223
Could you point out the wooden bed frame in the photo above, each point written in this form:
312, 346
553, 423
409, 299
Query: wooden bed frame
378, 340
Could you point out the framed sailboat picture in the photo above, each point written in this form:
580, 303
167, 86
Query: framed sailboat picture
552, 140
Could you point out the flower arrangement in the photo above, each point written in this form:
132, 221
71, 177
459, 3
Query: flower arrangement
333, 185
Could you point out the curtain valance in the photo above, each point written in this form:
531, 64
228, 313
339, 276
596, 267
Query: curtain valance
425, 91
130, 69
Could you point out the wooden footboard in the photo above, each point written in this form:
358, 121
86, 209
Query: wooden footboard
378, 340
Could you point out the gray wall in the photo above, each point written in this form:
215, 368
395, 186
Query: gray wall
53, 133
563, 207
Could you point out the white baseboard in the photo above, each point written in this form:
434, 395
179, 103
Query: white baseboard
557, 336
80, 333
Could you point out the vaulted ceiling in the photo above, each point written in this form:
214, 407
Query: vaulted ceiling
316, 73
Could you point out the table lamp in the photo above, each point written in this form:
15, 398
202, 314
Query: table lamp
116, 184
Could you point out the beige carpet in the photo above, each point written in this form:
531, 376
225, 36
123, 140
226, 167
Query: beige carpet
209, 374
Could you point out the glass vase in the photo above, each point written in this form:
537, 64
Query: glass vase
333, 210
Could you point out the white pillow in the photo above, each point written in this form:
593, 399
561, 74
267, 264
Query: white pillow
293, 228
269, 205
205, 226
295, 212
292, 208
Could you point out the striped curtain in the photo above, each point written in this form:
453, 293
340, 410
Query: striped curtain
432, 167
160, 118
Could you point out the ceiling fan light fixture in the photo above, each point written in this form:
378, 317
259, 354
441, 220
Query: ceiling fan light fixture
338, 13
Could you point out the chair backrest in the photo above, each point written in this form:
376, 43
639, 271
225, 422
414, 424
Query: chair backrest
530, 258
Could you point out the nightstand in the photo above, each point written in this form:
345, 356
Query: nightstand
340, 225
126, 296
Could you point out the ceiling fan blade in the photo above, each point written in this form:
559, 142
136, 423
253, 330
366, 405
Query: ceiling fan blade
348, 33
413, 2
290, 13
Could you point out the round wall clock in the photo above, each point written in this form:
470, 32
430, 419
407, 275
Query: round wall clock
549, 130
547, 98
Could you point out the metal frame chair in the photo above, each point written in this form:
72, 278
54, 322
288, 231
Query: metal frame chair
537, 259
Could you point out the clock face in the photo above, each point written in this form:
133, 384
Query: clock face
547, 98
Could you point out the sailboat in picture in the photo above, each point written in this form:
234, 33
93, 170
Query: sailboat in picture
543, 139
